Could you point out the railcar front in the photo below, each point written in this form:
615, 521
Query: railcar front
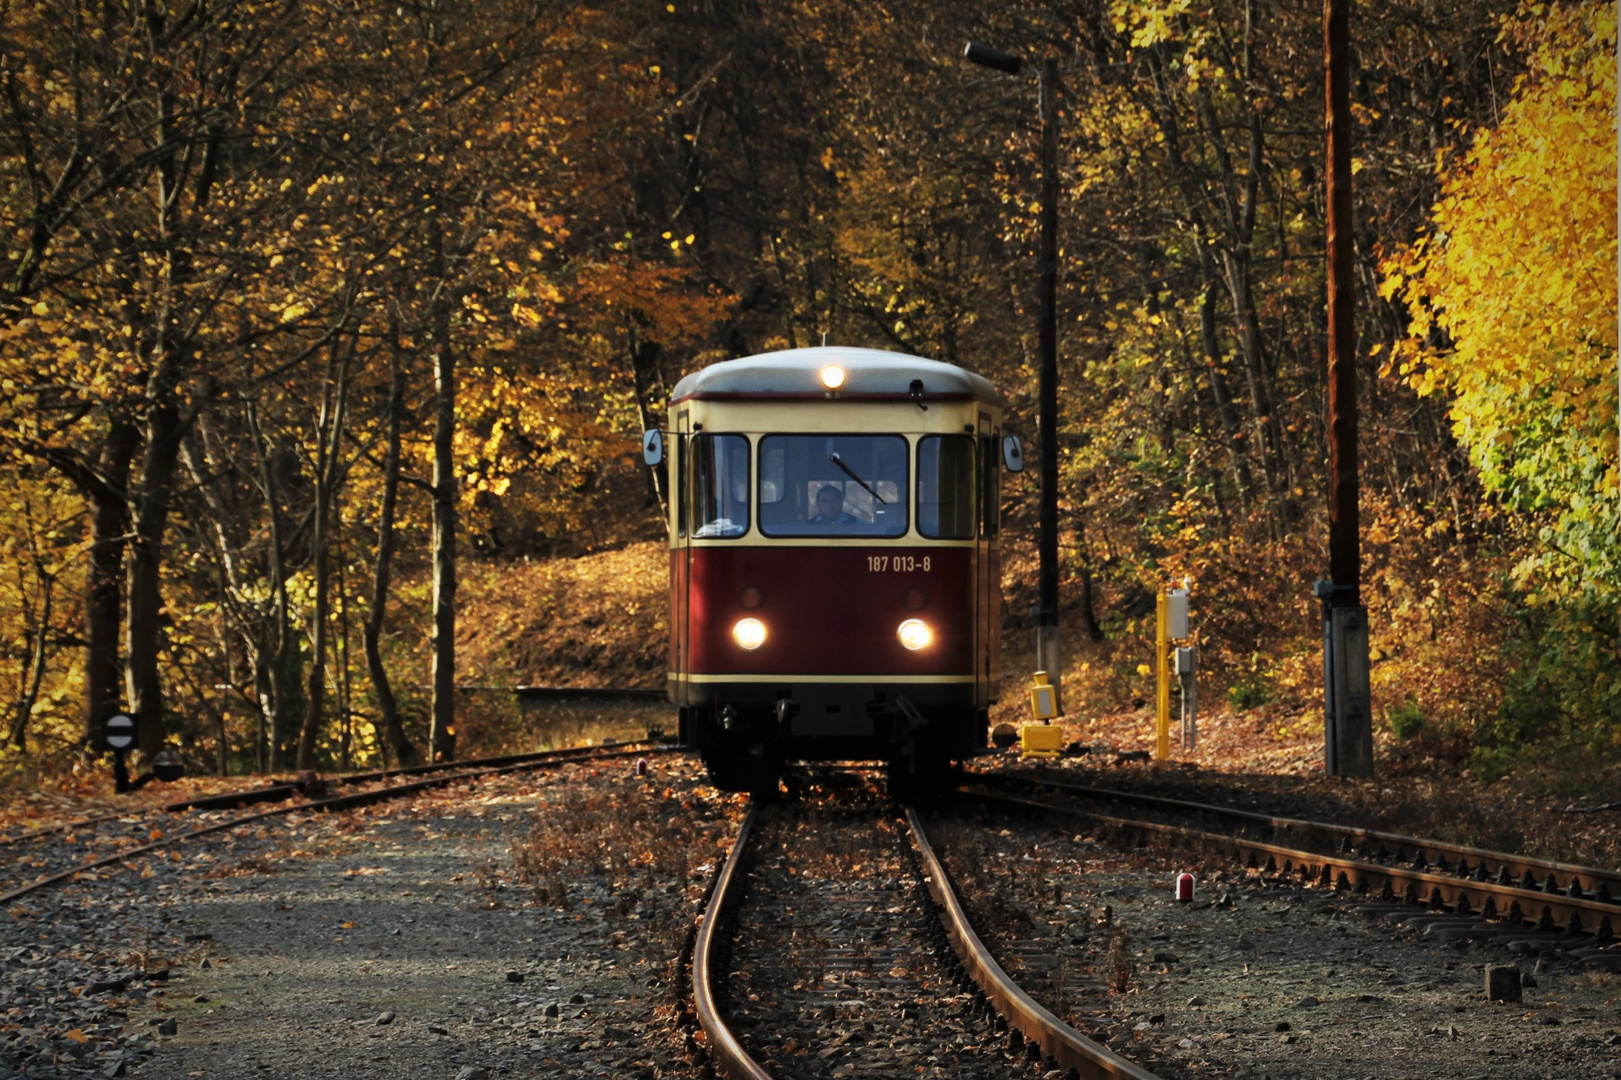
834, 562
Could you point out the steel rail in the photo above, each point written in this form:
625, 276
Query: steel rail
1489, 900
64, 826
1447, 857
277, 792
726, 1053
351, 801
230, 800
1058, 1040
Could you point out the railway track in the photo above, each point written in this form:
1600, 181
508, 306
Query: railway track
1470, 893
827, 945
58, 855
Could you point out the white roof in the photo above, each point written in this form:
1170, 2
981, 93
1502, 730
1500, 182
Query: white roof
868, 373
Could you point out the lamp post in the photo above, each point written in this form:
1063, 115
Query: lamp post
1048, 656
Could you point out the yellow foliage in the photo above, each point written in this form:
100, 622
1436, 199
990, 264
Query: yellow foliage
1520, 272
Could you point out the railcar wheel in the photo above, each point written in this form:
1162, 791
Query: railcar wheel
920, 777
738, 770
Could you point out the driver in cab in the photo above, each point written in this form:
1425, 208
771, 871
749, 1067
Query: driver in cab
830, 507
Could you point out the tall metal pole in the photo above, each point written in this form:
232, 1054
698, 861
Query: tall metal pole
1048, 656
442, 719
1347, 710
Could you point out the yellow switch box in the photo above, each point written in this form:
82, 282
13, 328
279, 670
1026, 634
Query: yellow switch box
1041, 740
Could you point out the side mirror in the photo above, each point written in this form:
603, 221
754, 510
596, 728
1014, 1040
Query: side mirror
1012, 454
653, 446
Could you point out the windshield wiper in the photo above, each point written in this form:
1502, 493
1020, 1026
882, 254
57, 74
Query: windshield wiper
835, 459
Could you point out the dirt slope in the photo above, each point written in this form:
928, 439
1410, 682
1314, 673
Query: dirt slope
598, 620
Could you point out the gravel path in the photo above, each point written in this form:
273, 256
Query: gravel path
394, 942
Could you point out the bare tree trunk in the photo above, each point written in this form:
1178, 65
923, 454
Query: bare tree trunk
442, 731
644, 357
329, 431
149, 519
280, 696
404, 752
1236, 452
103, 607
36, 660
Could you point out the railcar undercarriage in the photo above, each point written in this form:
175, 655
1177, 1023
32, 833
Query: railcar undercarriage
746, 745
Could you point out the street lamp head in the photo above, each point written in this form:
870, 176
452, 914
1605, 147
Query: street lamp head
996, 59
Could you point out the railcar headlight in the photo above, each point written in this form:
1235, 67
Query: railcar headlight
749, 633
832, 376
915, 634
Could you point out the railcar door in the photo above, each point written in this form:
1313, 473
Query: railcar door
988, 567
680, 565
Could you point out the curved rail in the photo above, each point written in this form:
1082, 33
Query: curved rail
1488, 899
540, 759
1064, 1044
1532, 874
729, 1057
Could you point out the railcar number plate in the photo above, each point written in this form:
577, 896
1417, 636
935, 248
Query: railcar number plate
897, 564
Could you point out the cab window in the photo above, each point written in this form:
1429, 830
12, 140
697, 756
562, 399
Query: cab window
833, 485
720, 485
945, 487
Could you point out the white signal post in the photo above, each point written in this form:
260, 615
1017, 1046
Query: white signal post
1170, 631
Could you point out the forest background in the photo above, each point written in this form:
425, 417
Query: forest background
301, 299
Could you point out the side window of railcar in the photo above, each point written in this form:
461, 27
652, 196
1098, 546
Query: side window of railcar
720, 485
833, 485
945, 487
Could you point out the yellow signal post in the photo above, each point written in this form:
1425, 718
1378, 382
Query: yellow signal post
1162, 677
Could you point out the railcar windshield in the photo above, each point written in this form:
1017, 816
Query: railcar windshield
945, 487
833, 485
720, 486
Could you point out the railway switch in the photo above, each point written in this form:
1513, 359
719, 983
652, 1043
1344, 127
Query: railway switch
1043, 698
1041, 740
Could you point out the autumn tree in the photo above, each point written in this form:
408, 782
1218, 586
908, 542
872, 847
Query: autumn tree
1511, 295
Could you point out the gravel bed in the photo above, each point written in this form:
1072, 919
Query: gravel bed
402, 940
30, 858
1257, 977
84, 967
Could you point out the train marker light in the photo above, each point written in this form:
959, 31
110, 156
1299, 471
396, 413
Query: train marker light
832, 376
915, 634
749, 633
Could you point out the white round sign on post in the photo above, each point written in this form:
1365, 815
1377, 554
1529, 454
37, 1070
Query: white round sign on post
119, 731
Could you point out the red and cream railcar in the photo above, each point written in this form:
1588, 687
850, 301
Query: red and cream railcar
835, 588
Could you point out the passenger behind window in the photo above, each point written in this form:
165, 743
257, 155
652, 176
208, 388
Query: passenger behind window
830, 507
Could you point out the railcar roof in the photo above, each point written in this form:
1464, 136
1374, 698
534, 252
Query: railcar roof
869, 374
